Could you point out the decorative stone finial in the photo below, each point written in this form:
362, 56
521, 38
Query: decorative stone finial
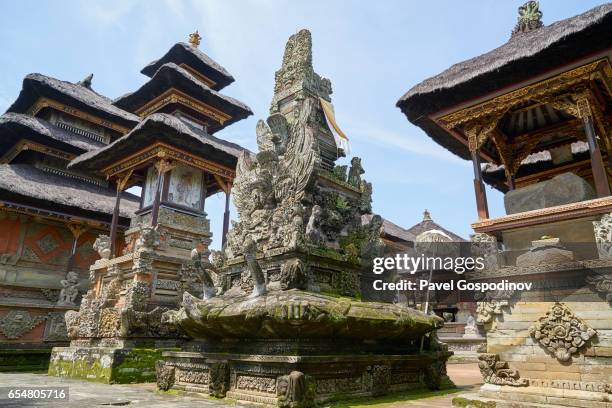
426, 215
86, 82
530, 17
194, 39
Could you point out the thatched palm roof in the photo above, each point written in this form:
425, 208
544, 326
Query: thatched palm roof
26, 184
524, 56
164, 128
391, 230
79, 96
16, 126
183, 53
171, 75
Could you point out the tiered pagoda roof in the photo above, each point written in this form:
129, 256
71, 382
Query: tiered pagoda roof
186, 82
184, 54
223, 109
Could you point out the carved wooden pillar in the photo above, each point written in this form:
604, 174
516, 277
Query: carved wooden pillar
162, 167
226, 215
479, 188
510, 180
121, 184
597, 165
115, 221
77, 230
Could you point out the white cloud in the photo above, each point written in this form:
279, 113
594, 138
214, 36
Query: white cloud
414, 144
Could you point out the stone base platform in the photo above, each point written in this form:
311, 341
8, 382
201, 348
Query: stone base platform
300, 380
465, 349
105, 364
502, 396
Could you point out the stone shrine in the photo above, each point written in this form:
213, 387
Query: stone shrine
286, 324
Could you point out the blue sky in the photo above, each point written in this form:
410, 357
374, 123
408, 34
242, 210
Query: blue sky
372, 51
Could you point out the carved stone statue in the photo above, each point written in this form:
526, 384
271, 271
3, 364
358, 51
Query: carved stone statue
197, 272
291, 389
354, 176
313, 230
470, 330
70, 291
147, 241
102, 245
250, 256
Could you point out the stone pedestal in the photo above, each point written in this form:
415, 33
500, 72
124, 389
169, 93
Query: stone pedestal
118, 333
282, 378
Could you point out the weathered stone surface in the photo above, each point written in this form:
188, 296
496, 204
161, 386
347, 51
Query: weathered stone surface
298, 314
565, 188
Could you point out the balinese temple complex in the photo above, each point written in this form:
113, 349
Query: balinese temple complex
52, 214
534, 117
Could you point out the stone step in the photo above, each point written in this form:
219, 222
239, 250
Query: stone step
473, 400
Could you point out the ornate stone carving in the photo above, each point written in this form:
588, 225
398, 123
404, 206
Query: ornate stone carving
313, 228
16, 323
293, 275
291, 390
259, 384
250, 256
381, 379
485, 245
55, 327
165, 375
602, 283
496, 372
354, 176
603, 236
561, 332
102, 245
196, 275
470, 330
434, 375
530, 18
218, 379
70, 290
148, 239
486, 311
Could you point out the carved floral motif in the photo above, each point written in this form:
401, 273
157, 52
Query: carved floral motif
603, 236
16, 323
561, 332
497, 372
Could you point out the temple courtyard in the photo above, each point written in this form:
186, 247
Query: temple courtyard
88, 394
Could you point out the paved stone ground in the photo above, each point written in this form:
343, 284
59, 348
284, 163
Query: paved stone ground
90, 395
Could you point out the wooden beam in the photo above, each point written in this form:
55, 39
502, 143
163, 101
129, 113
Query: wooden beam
479, 188
602, 185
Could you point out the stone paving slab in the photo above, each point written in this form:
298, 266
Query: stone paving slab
85, 394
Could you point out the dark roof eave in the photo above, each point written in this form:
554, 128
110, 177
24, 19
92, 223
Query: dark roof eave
171, 75
565, 42
16, 126
196, 59
76, 96
164, 128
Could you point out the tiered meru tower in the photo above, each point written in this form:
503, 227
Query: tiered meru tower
172, 155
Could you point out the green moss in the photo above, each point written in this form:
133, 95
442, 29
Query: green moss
464, 402
339, 401
24, 360
128, 366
